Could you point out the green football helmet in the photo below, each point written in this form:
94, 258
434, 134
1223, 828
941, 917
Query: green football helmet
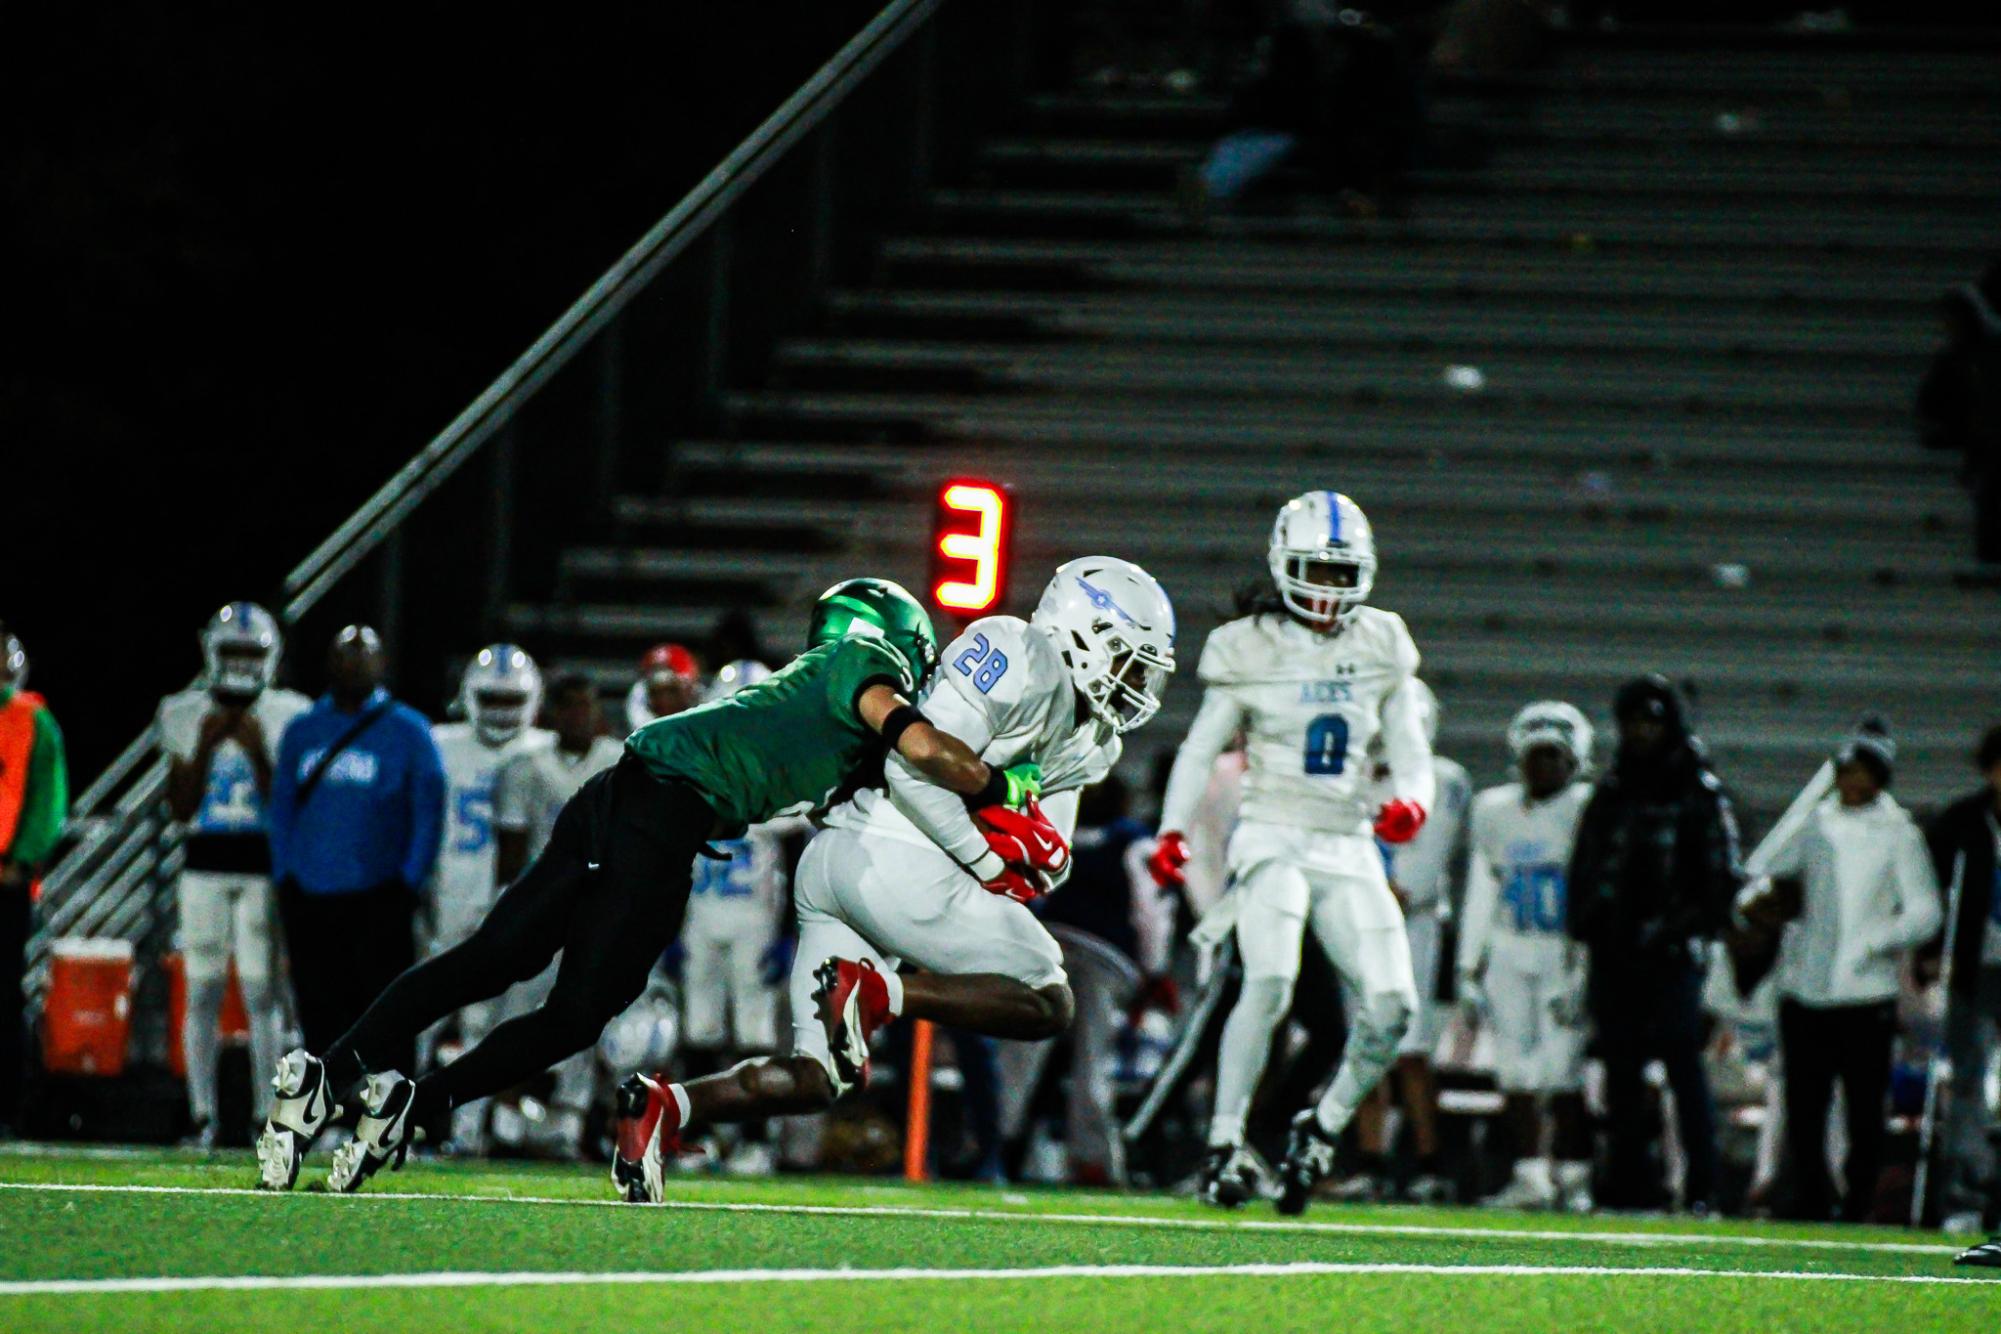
878, 608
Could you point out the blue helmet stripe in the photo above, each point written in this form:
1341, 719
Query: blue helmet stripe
1333, 519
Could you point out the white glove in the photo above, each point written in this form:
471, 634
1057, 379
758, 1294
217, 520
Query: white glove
1566, 1003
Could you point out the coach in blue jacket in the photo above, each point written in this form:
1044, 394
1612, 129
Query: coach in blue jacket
355, 812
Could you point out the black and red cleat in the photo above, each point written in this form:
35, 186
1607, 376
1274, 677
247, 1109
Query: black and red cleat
854, 1004
649, 1129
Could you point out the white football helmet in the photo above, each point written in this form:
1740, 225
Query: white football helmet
501, 693
1551, 722
239, 648
13, 661
1114, 627
1322, 557
735, 676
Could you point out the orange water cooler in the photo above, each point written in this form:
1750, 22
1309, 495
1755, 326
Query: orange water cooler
87, 1014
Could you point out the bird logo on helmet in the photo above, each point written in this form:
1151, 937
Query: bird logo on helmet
1114, 627
239, 649
1551, 722
1323, 558
881, 610
501, 692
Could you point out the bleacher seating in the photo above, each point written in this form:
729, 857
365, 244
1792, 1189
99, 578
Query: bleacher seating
1680, 371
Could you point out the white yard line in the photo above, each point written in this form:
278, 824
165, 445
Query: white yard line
1301, 1226
539, 1279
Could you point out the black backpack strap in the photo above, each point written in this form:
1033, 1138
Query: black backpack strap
311, 782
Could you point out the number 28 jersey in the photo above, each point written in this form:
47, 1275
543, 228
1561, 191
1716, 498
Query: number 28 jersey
1310, 704
1004, 690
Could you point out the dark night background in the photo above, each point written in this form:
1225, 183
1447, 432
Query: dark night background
265, 253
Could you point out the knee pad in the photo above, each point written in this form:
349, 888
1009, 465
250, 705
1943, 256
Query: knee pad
259, 989
205, 967
1379, 1025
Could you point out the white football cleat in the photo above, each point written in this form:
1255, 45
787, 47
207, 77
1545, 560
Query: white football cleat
1530, 1188
1230, 1176
1309, 1160
382, 1137
299, 1112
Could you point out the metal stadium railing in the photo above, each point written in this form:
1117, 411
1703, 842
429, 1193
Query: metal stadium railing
113, 877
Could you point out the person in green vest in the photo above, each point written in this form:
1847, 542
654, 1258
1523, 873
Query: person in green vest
34, 802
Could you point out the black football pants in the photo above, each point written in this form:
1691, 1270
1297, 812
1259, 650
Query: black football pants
608, 891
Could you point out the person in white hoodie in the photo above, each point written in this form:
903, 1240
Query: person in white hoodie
1868, 895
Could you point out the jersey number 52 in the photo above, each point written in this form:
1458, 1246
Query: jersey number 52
983, 662
1327, 744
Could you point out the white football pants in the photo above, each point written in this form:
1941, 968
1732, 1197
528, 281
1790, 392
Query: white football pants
871, 897
224, 914
1335, 884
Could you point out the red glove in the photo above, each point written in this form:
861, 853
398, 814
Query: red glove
1170, 854
1025, 836
1157, 992
1398, 821
1023, 886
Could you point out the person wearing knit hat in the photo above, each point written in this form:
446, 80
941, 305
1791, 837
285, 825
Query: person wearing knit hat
1868, 896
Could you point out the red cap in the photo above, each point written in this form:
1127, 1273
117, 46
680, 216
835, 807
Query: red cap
668, 660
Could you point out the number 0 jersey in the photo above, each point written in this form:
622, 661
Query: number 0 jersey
1309, 705
1001, 688
1517, 885
788, 744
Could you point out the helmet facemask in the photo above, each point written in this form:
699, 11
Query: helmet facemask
239, 651
1323, 587
499, 715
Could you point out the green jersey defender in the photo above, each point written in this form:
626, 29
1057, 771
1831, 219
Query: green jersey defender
609, 889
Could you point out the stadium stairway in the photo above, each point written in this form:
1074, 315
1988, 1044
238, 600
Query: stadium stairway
1634, 394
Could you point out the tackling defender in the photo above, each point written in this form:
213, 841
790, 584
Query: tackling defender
1515, 961
610, 888
1313, 679
899, 874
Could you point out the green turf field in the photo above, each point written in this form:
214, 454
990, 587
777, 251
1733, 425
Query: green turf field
162, 1241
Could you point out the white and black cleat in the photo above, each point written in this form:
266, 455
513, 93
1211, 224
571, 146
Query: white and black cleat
1309, 1160
382, 1137
1229, 1177
1987, 1255
299, 1112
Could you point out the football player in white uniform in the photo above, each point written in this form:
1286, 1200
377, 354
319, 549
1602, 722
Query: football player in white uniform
221, 739
500, 694
1423, 876
1313, 682
905, 873
1516, 962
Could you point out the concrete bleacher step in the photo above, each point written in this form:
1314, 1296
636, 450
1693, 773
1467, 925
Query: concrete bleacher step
1582, 274
1137, 367
1469, 330
1143, 212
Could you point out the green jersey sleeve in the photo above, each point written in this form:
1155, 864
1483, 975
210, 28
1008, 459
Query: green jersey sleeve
858, 664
